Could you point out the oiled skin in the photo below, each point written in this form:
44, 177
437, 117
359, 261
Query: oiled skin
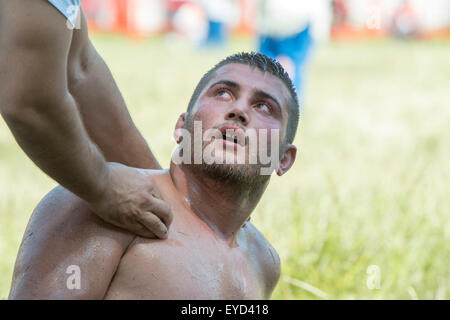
193, 263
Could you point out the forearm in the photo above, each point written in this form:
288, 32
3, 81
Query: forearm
52, 135
104, 112
54, 138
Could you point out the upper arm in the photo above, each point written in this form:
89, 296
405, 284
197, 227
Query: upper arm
272, 269
268, 260
63, 236
34, 46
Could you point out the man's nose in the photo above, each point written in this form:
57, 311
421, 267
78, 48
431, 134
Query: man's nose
238, 114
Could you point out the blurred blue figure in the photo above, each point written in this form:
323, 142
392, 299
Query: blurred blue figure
284, 29
219, 13
216, 33
295, 47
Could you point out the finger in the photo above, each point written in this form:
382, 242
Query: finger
142, 231
133, 227
161, 209
155, 225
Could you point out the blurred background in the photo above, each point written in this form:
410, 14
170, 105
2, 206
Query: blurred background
364, 212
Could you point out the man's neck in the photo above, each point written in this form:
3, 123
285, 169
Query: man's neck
223, 206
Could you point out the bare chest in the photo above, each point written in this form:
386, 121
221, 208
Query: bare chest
185, 267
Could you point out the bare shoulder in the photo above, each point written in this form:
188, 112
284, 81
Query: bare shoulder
61, 210
63, 232
267, 256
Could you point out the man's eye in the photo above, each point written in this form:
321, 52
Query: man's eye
223, 94
264, 107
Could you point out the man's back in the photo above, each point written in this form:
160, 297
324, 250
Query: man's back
114, 264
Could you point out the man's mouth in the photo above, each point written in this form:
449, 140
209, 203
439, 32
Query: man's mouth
233, 135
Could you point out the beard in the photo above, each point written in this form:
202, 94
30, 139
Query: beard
238, 173
248, 175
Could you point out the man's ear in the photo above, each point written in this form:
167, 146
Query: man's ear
177, 133
286, 162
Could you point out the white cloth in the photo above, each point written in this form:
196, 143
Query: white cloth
69, 8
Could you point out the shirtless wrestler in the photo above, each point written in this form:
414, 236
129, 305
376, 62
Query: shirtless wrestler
212, 250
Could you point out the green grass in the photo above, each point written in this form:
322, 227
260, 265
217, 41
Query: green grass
370, 185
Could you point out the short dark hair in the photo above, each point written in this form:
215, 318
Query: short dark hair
265, 64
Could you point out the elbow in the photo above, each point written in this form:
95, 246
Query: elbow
15, 114
24, 102
18, 110
11, 114
12, 108
9, 98
6, 109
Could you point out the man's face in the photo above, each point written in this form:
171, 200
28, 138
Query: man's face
241, 106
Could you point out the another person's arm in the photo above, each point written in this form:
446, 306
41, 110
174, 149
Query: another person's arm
44, 117
102, 108
67, 252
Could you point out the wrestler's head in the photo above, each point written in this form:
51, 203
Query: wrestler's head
247, 107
